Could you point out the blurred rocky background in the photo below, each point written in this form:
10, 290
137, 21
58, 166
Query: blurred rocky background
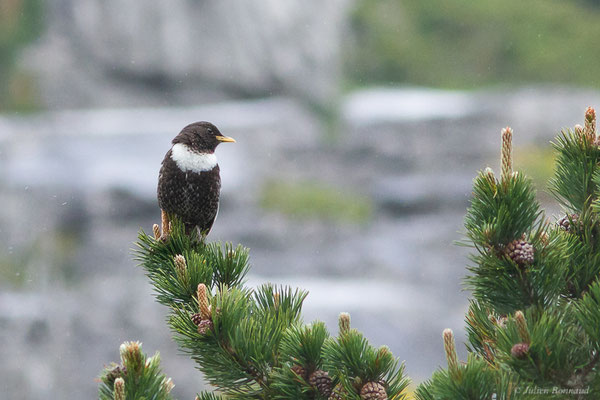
360, 125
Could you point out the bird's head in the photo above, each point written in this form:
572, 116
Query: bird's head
202, 137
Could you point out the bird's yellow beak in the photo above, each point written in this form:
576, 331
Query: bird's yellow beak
225, 139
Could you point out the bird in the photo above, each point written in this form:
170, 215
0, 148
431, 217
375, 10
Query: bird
189, 182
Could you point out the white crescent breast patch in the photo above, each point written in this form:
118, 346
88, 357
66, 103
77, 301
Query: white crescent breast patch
188, 160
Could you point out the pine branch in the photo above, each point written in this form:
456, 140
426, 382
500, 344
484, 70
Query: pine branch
583, 265
482, 323
251, 343
359, 365
212, 264
209, 396
501, 212
477, 381
301, 351
137, 377
588, 314
551, 274
518, 261
577, 158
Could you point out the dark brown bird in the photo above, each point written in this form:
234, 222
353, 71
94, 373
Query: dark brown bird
189, 183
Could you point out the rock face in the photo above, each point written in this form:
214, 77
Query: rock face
127, 52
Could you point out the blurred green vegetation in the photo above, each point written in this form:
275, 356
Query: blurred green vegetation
21, 22
537, 162
13, 270
48, 258
464, 43
315, 200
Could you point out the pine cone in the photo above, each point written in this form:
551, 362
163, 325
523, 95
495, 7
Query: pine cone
520, 350
568, 222
300, 371
321, 380
373, 391
520, 251
197, 319
338, 393
204, 326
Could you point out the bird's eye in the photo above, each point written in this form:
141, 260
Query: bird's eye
210, 131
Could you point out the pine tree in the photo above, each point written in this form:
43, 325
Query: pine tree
533, 324
249, 343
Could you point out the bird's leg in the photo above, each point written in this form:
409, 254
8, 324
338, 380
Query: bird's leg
201, 235
166, 225
193, 232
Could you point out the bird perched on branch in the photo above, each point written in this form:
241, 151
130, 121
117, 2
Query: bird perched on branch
189, 183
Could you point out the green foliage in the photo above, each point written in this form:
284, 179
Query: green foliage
209, 396
501, 212
463, 44
356, 362
551, 345
583, 265
20, 23
212, 264
555, 351
575, 186
237, 355
13, 268
312, 199
249, 343
229, 265
587, 313
576, 164
142, 376
301, 346
477, 380
555, 355
213, 352
481, 330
